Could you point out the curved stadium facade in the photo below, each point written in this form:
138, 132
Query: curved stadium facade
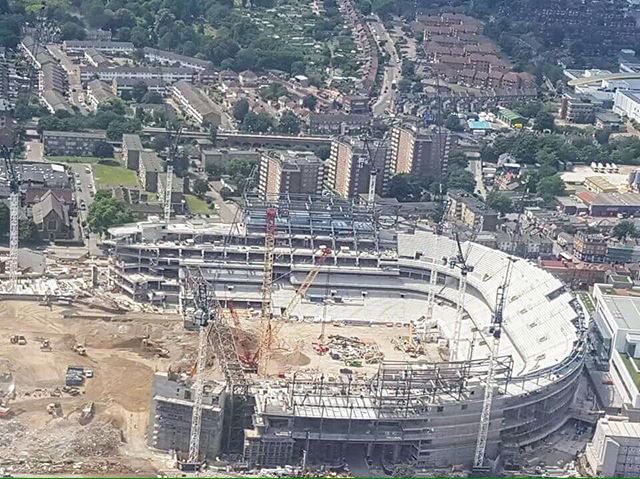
414, 410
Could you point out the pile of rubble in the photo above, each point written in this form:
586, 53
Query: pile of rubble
353, 351
60, 445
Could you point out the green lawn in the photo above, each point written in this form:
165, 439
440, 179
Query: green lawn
628, 362
107, 175
588, 302
198, 206
73, 159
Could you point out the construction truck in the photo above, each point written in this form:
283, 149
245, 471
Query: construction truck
45, 346
80, 349
18, 339
87, 413
55, 409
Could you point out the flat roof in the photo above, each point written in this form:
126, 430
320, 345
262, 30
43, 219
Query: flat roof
624, 306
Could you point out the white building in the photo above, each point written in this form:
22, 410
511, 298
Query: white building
617, 322
615, 448
627, 103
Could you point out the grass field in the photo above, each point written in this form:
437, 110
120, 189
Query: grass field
73, 159
114, 176
198, 206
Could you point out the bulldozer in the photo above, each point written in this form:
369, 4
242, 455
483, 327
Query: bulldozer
18, 339
45, 346
80, 349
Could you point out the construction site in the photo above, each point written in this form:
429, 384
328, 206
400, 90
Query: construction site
304, 336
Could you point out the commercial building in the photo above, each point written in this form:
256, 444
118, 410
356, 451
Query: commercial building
418, 151
196, 104
107, 46
170, 58
607, 120
99, 93
510, 117
166, 74
290, 172
617, 331
351, 164
614, 450
627, 104
599, 184
611, 204
131, 150
71, 143
471, 212
590, 247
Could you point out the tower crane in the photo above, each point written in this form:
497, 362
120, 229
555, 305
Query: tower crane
496, 331
204, 317
168, 190
325, 252
460, 262
266, 325
14, 214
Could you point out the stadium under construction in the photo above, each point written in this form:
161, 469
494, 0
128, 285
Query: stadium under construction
421, 404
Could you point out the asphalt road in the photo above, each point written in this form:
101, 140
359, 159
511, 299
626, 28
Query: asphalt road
476, 168
392, 70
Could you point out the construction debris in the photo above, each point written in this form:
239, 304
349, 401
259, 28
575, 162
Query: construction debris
352, 350
55, 409
86, 415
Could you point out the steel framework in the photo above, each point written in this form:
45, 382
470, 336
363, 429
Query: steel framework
496, 331
266, 324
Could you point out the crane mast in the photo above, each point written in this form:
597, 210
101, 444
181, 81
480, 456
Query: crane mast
266, 326
204, 317
459, 262
168, 185
433, 279
496, 331
14, 214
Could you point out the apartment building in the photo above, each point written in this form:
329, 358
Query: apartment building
98, 93
166, 74
107, 46
71, 143
95, 58
577, 108
290, 172
418, 151
170, 58
196, 104
131, 150
351, 164
470, 211
149, 168
120, 85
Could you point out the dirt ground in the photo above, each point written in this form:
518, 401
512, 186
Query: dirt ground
33, 440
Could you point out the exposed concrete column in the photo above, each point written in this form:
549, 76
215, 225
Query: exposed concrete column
396, 452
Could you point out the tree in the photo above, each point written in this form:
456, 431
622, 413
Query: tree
152, 98
544, 121
624, 229
499, 202
400, 187
27, 230
257, 123
200, 187
550, 187
102, 149
453, 123
4, 219
240, 109
106, 212
138, 91
461, 180
309, 102
289, 123
602, 136
323, 152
